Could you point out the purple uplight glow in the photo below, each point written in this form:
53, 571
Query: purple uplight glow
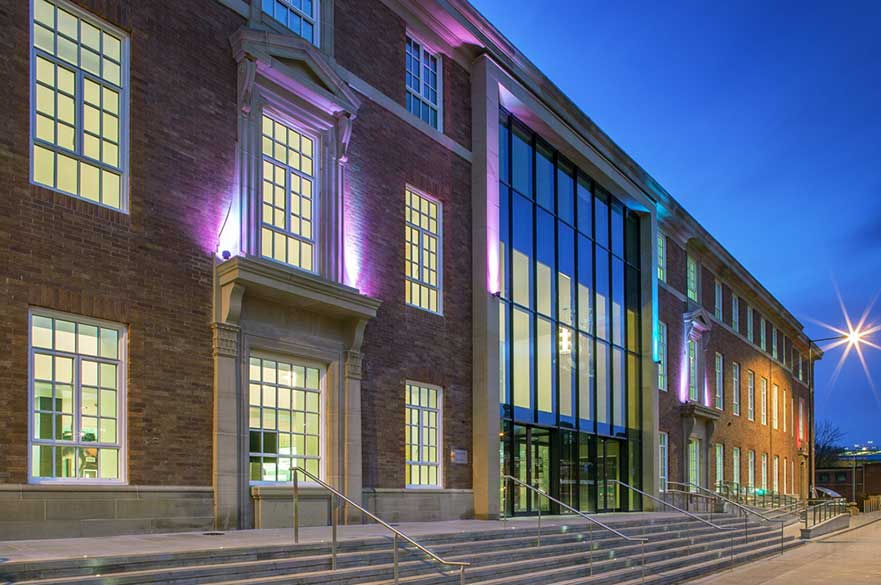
683, 375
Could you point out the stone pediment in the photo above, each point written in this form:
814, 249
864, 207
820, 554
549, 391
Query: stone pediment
294, 64
697, 323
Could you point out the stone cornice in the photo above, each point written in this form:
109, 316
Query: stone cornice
296, 64
294, 288
699, 411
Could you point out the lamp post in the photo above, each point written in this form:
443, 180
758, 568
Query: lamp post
854, 337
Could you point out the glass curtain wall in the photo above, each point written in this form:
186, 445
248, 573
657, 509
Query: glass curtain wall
569, 327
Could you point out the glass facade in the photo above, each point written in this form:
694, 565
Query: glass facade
569, 328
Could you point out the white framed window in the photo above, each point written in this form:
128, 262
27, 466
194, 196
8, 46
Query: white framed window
774, 342
289, 187
750, 395
298, 16
751, 468
735, 313
691, 279
764, 401
735, 465
423, 435
285, 410
720, 465
717, 299
663, 460
77, 388
801, 419
763, 339
775, 476
79, 104
720, 382
424, 81
662, 356
750, 324
694, 462
800, 368
693, 391
764, 471
423, 254
785, 422
735, 388
774, 407
662, 257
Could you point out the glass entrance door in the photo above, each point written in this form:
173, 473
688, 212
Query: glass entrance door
530, 462
609, 469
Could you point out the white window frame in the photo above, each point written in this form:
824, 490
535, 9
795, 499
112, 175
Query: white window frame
750, 325
662, 357
764, 401
785, 473
316, 239
720, 382
322, 413
774, 352
79, 74
735, 313
751, 395
735, 388
121, 399
801, 419
775, 475
763, 334
439, 288
440, 434
765, 471
720, 466
717, 299
785, 422
663, 460
426, 48
692, 279
662, 257
775, 404
751, 469
735, 464
693, 370
268, 18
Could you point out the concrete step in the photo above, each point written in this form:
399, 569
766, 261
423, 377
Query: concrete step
509, 552
315, 556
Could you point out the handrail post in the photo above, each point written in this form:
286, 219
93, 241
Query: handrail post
732, 550
461, 575
296, 509
395, 556
333, 520
642, 548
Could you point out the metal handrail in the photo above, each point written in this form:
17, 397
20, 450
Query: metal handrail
397, 533
824, 511
747, 510
680, 510
593, 521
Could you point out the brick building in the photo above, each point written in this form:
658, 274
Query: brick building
243, 236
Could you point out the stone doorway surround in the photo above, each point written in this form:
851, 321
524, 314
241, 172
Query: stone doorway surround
266, 307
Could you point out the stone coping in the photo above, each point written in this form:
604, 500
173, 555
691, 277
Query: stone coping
74, 487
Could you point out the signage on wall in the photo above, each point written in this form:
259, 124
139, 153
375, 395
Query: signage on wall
459, 456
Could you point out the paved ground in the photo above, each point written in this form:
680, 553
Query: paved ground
66, 548
851, 557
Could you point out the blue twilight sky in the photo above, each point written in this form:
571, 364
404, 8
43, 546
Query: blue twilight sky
764, 120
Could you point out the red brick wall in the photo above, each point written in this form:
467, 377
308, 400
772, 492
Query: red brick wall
731, 431
403, 342
149, 269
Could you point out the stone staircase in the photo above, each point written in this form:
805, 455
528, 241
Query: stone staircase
678, 549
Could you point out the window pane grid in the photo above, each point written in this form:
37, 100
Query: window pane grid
422, 252
287, 201
422, 83
284, 419
76, 106
422, 435
76, 403
298, 16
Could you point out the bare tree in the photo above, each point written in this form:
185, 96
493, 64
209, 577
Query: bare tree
827, 443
